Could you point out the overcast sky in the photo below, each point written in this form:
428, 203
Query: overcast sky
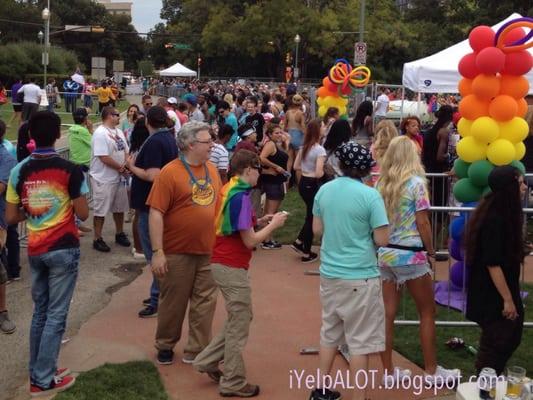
146, 14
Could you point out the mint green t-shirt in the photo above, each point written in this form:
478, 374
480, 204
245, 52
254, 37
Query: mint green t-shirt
350, 211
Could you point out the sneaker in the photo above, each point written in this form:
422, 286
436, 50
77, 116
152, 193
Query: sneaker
215, 375
137, 256
188, 358
147, 301
270, 245
165, 357
122, 240
148, 312
62, 372
310, 258
6, 325
390, 380
247, 391
443, 376
100, 245
298, 247
325, 394
12, 279
58, 385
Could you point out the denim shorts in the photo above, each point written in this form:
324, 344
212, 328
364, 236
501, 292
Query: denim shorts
400, 275
297, 138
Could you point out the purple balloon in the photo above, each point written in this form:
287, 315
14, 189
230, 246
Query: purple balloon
521, 41
459, 275
455, 249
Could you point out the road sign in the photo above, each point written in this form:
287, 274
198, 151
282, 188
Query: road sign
98, 62
360, 53
179, 46
77, 28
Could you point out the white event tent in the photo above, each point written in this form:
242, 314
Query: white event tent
177, 70
438, 73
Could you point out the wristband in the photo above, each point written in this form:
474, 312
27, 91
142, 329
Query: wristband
157, 251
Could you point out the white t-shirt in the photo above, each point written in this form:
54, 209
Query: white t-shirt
382, 105
309, 162
107, 142
174, 117
32, 93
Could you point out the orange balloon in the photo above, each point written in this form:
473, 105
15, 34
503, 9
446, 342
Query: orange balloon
522, 108
473, 107
324, 92
486, 86
465, 87
503, 108
514, 86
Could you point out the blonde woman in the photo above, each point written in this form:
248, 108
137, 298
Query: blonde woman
408, 256
385, 132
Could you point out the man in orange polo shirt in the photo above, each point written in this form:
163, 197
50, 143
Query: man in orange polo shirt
182, 231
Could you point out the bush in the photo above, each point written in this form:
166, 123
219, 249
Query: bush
21, 59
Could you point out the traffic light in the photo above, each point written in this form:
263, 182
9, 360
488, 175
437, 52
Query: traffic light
97, 29
168, 45
288, 58
199, 61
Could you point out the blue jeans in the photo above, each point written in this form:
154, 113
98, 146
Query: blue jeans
144, 236
53, 278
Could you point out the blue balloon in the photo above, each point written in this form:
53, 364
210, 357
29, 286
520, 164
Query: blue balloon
468, 214
457, 228
454, 247
459, 275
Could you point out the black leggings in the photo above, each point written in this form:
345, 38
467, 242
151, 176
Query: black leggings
499, 339
308, 187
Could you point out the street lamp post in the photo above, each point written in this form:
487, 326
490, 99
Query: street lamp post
46, 19
40, 35
297, 40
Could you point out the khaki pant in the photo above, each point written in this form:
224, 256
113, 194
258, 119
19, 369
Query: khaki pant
188, 281
229, 344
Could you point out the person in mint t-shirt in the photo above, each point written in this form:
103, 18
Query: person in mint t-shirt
236, 237
352, 218
48, 192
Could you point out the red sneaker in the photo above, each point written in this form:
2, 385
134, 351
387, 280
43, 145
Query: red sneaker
59, 385
62, 372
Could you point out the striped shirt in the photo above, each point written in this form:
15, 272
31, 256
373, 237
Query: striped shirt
219, 156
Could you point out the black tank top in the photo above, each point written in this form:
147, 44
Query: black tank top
280, 158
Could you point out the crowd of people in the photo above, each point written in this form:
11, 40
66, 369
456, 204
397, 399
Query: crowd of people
205, 177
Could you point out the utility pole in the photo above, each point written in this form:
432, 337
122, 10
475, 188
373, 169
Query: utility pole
362, 21
46, 18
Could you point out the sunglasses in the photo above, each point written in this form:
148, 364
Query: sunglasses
115, 115
257, 167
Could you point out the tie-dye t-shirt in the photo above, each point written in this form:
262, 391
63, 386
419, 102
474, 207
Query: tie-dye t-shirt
45, 188
403, 229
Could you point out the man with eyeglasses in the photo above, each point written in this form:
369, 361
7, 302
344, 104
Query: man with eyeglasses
146, 103
226, 117
182, 216
108, 176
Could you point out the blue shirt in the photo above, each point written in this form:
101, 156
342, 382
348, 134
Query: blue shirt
231, 120
7, 162
350, 211
10, 147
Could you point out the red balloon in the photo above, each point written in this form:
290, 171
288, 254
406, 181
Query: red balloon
490, 60
518, 63
330, 86
467, 66
513, 36
480, 37
347, 90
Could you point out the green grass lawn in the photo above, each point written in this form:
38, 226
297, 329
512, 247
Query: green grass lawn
6, 112
138, 380
406, 338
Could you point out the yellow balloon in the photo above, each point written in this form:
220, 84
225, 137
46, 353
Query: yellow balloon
514, 130
342, 110
320, 101
470, 150
520, 150
463, 126
485, 129
501, 152
322, 110
329, 101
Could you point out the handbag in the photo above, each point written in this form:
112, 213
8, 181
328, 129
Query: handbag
396, 255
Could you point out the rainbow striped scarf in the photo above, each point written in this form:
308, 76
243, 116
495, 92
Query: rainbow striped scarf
233, 210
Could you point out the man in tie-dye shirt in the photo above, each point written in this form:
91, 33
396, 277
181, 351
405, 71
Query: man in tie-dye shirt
48, 191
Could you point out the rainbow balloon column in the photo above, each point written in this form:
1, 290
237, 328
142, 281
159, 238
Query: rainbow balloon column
339, 84
492, 108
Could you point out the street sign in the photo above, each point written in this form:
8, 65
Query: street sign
98, 62
179, 46
360, 53
296, 73
45, 58
77, 28
118, 66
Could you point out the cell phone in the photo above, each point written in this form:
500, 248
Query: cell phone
285, 212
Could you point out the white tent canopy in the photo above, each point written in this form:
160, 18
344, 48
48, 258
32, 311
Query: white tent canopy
177, 70
438, 73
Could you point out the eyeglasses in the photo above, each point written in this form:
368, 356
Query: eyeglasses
210, 141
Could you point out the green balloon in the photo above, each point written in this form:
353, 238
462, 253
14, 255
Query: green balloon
461, 168
479, 171
518, 165
465, 191
486, 191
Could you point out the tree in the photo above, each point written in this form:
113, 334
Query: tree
145, 68
171, 10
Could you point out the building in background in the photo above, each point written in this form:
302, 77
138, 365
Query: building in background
117, 7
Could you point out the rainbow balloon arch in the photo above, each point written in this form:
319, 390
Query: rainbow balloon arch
341, 81
492, 125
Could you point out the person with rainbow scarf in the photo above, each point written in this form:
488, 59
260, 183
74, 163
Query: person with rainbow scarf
236, 238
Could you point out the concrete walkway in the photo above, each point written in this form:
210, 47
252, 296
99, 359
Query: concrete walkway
286, 319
